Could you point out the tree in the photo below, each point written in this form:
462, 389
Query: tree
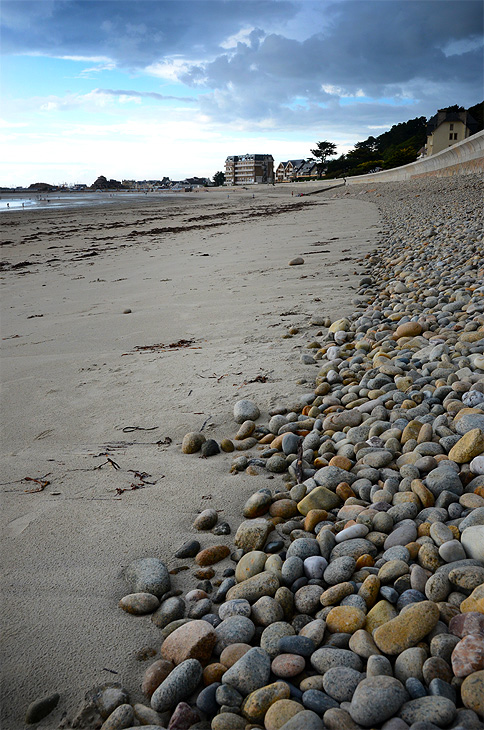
323, 150
453, 108
218, 178
401, 156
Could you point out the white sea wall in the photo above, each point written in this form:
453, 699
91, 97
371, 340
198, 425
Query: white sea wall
462, 158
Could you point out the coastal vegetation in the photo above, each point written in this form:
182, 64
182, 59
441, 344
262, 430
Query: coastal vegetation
321, 152
218, 178
398, 146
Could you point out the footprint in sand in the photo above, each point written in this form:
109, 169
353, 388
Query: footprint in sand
17, 526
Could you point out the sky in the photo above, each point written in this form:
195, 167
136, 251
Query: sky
140, 89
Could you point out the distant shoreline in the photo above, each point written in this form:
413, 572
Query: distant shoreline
41, 201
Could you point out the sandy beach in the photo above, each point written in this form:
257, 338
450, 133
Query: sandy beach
97, 399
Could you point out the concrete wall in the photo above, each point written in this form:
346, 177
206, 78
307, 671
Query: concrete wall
461, 159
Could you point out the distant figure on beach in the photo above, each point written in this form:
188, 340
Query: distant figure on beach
8, 205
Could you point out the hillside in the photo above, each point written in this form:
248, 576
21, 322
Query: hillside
399, 146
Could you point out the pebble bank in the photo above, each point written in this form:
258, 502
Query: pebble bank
351, 594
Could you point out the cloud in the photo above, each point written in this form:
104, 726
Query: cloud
133, 34
384, 53
129, 93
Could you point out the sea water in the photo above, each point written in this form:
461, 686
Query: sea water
11, 201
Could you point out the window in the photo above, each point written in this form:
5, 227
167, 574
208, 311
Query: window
455, 135
451, 126
451, 136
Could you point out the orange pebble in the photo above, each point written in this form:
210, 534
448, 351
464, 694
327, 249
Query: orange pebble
342, 462
441, 457
479, 491
267, 439
213, 673
344, 491
423, 530
364, 561
305, 410
313, 517
277, 442
413, 548
276, 520
284, 508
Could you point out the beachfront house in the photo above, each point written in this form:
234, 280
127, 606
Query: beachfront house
447, 128
288, 170
295, 169
309, 169
249, 169
280, 172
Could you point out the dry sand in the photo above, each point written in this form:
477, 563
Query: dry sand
211, 268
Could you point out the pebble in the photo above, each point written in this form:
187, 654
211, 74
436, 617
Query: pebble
121, 717
280, 713
468, 655
307, 719
233, 630
194, 640
340, 683
245, 410
192, 442
188, 550
183, 717
472, 692
178, 685
407, 629
472, 540
252, 534
287, 665
212, 555
169, 611
210, 448
250, 564
262, 584
38, 709
139, 604
154, 676
107, 697
148, 575
345, 620
439, 710
250, 672
328, 657
206, 520
257, 703
376, 699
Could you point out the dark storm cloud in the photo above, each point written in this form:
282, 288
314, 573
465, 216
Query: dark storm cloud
295, 63
132, 33
382, 48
